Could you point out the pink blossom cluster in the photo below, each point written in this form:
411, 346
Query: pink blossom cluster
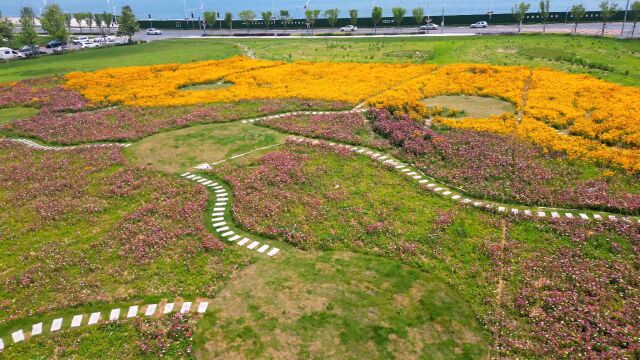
500, 167
167, 338
348, 127
41, 93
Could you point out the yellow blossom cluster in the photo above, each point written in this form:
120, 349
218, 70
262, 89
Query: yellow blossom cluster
577, 114
165, 85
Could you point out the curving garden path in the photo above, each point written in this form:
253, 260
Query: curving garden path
35, 145
115, 314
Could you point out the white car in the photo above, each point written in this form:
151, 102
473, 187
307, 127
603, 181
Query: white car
88, 45
80, 39
349, 28
153, 31
479, 24
9, 54
428, 27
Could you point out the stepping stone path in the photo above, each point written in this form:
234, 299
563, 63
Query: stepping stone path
114, 315
35, 145
217, 217
277, 116
455, 195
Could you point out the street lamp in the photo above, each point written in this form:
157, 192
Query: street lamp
626, 10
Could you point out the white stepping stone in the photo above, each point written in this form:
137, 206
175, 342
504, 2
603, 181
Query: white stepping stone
191, 177
207, 182
202, 181
234, 238
382, 157
93, 318
612, 218
501, 209
217, 214
597, 216
446, 193
185, 174
405, 170
273, 251
167, 308
541, 214
554, 214
218, 209
431, 185
217, 219
185, 307
36, 329
224, 228
412, 173
400, 166
253, 245
220, 191
243, 241
220, 204
133, 311
56, 324
17, 336
477, 204
569, 215
221, 223
115, 315
1, 344
196, 178
455, 197
151, 309
228, 233
76, 321
438, 189
423, 181
263, 248
514, 211
222, 199
527, 212
202, 307
218, 187
213, 185
417, 177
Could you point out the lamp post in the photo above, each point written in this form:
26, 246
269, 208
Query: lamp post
626, 10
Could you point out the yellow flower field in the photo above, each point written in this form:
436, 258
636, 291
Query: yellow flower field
577, 114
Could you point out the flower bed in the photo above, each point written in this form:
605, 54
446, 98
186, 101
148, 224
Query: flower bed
81, 226
131, 123
503, 168
346, 127
42, 93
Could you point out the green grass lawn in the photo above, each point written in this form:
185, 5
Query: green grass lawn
611, 59
8, 115
338, 305
181, 150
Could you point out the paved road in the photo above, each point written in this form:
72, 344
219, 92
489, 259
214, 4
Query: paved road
612, 29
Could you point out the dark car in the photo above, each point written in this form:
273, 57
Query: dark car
54, 44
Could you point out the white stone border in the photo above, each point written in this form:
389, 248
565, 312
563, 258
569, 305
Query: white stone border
293, 113
96, 318
217, 217
446, 191
35, 145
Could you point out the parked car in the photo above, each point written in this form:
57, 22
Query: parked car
80, 39
88, 45
9, 54
61, 49
54, 44
429, 26
349, 28
31, 50
479, 24
153, 31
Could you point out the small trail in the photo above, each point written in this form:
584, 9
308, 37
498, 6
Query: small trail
500, 287
246, 50
450, 192
35, 145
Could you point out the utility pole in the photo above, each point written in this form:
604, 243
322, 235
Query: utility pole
626, 10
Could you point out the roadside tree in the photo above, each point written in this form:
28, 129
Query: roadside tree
519, 11
376, 17
398, 16
247, 16
127, 24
